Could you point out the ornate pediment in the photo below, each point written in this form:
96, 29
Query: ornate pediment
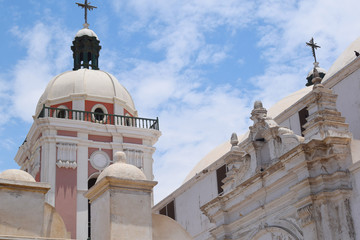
268, 138
238, 164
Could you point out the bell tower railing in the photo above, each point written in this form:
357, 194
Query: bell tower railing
101, 118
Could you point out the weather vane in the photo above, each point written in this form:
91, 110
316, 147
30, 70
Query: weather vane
86, 7
313, 47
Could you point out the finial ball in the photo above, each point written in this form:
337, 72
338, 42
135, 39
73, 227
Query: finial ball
258, 104
119, 157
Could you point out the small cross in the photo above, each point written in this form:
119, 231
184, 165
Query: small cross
313, 47
86, 7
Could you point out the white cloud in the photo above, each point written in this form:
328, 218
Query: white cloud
48, 54
7, 143
202, 121
5, 93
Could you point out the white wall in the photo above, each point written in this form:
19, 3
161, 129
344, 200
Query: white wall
187, 207
293, 123
348, 102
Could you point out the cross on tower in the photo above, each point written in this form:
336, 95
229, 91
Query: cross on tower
313, 47
86, 7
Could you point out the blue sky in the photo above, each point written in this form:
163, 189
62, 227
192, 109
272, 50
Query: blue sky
196, 64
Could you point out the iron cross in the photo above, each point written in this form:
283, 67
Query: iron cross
86, 7
313, 47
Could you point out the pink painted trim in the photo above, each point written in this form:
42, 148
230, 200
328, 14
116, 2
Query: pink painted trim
37, 177
66, 104
67, 133
127, 112
66, 197
132, 140
98, 138
89, 105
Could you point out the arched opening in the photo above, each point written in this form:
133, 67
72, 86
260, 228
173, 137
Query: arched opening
128, 120
99, 114
81, 59
61, 113
91, 182
90, 59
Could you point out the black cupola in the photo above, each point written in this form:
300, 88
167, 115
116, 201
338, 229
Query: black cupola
86, 48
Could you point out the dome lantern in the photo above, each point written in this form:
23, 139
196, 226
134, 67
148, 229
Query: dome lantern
86, 48
86, 45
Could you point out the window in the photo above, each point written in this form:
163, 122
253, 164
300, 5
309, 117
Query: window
169, 210
220, 175
128, 120
99, 113
303, 114
91, 183
60, 112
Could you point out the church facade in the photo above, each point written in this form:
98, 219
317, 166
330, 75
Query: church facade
86, 165
293, 175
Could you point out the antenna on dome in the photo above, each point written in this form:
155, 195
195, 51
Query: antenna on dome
86, 7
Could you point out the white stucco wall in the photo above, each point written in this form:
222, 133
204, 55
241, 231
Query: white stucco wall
187, 206
348, 102
292, 123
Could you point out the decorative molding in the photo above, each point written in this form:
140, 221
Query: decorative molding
66, 155
99, 160
35, 162
135, 157
306, 214
105, 112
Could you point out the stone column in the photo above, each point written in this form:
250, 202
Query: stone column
48, 164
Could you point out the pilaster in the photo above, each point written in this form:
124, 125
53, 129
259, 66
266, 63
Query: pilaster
48, 166
82, 187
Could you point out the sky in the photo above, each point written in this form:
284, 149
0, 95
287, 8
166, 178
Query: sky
198, 65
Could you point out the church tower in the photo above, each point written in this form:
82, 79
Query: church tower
83, 117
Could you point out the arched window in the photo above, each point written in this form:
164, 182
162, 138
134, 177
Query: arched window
91, 182
128, 120
99, 113
61, 112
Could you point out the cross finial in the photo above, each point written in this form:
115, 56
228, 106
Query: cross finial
86, 7
313, 47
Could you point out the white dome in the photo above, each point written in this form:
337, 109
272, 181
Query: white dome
86, 32
17, 175
288, 101
88, 82
212, 156
164, 228
344, 59
123, 171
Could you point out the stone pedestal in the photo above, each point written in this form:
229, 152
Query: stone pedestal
122, 208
